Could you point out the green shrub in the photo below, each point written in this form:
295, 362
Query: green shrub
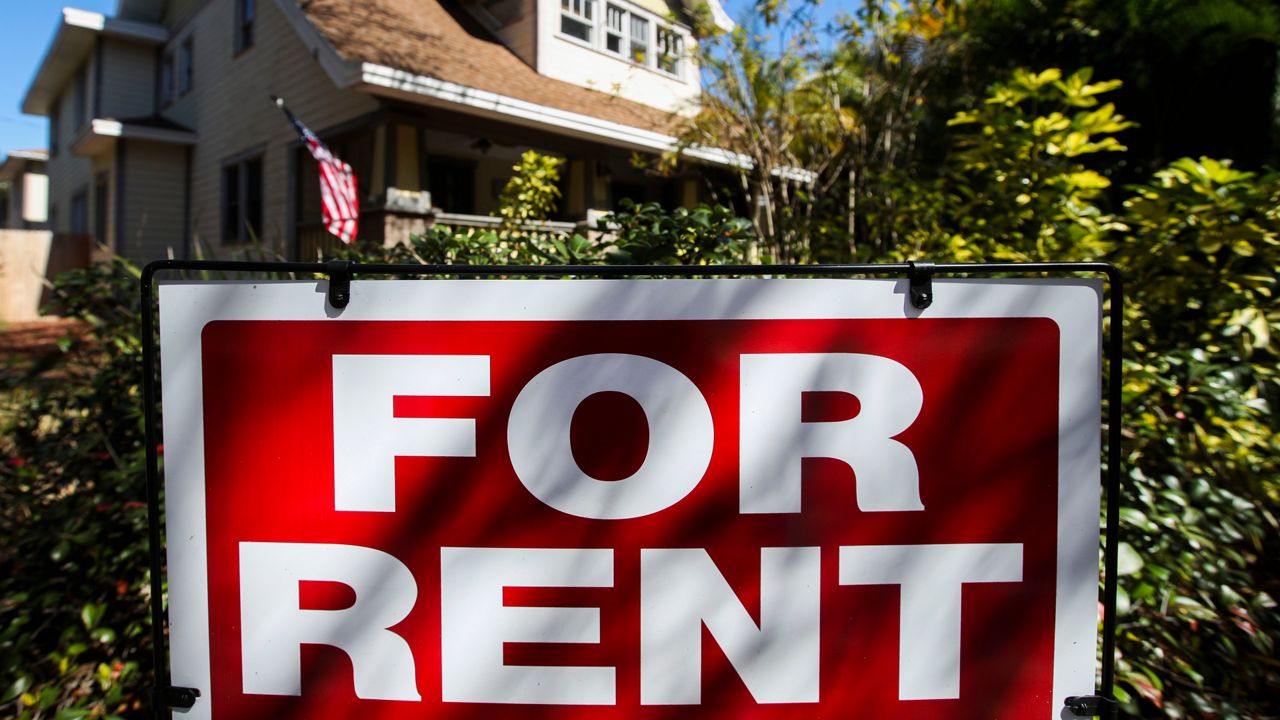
1198, 616
646, 234
74, 586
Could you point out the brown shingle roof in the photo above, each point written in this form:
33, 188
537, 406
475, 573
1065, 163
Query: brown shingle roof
438, 39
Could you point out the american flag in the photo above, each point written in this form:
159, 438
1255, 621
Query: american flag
338, 192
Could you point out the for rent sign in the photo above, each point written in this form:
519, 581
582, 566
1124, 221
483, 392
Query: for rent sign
624, 499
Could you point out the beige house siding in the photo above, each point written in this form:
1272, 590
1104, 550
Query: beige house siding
128, 80
178, 12
154, 200
230, 109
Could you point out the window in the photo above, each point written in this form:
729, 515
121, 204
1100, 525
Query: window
670, 51
186, 70
615, 40
55, 128
80, 98
242, 201
576, 20
629, 34
80, 212
100, 210
245, 13
166, 80
639, 39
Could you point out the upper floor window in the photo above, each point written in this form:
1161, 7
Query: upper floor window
55, 128
576, 19
670, 50
629, 34
80, 97
186, 68
245, 13
639, 40
166, 80
615, 41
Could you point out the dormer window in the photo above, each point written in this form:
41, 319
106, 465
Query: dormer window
576, 19
628, 34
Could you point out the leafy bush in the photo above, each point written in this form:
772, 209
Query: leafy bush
1199, 246
649, 235
74, 588
1017, 188
532, 191
1198, 615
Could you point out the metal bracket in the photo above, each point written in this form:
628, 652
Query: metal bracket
339, 272
1092, 706
920, 278
181, 698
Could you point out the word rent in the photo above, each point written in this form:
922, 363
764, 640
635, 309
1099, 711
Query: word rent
681, 588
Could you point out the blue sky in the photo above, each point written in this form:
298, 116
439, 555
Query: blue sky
26, 29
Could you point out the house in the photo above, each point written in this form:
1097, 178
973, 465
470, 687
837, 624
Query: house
30, 255
164, 139
24, 191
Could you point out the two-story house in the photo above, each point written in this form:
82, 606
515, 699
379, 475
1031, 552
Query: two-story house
164, 139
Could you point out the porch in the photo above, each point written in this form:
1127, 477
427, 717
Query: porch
420, 166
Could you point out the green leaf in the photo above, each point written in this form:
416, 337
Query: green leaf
16, 688
91, 613
1128, 561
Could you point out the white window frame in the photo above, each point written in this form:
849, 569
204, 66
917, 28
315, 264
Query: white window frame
676, 54
610, 11
581, 12
649, 25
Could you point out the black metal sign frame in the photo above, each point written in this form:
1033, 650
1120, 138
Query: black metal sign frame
920, 277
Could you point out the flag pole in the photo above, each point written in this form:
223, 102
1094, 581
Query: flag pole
340, 202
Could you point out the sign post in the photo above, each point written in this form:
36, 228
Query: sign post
632, 498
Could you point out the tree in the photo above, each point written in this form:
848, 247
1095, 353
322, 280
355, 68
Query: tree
778, 110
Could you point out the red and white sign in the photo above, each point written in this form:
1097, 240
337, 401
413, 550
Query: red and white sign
632, 499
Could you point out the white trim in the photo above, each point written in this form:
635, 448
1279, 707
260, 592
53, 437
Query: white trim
114, 128
1074, 305
380, 79
98, 134
489, 221
720, 17
115, 27
40, 155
